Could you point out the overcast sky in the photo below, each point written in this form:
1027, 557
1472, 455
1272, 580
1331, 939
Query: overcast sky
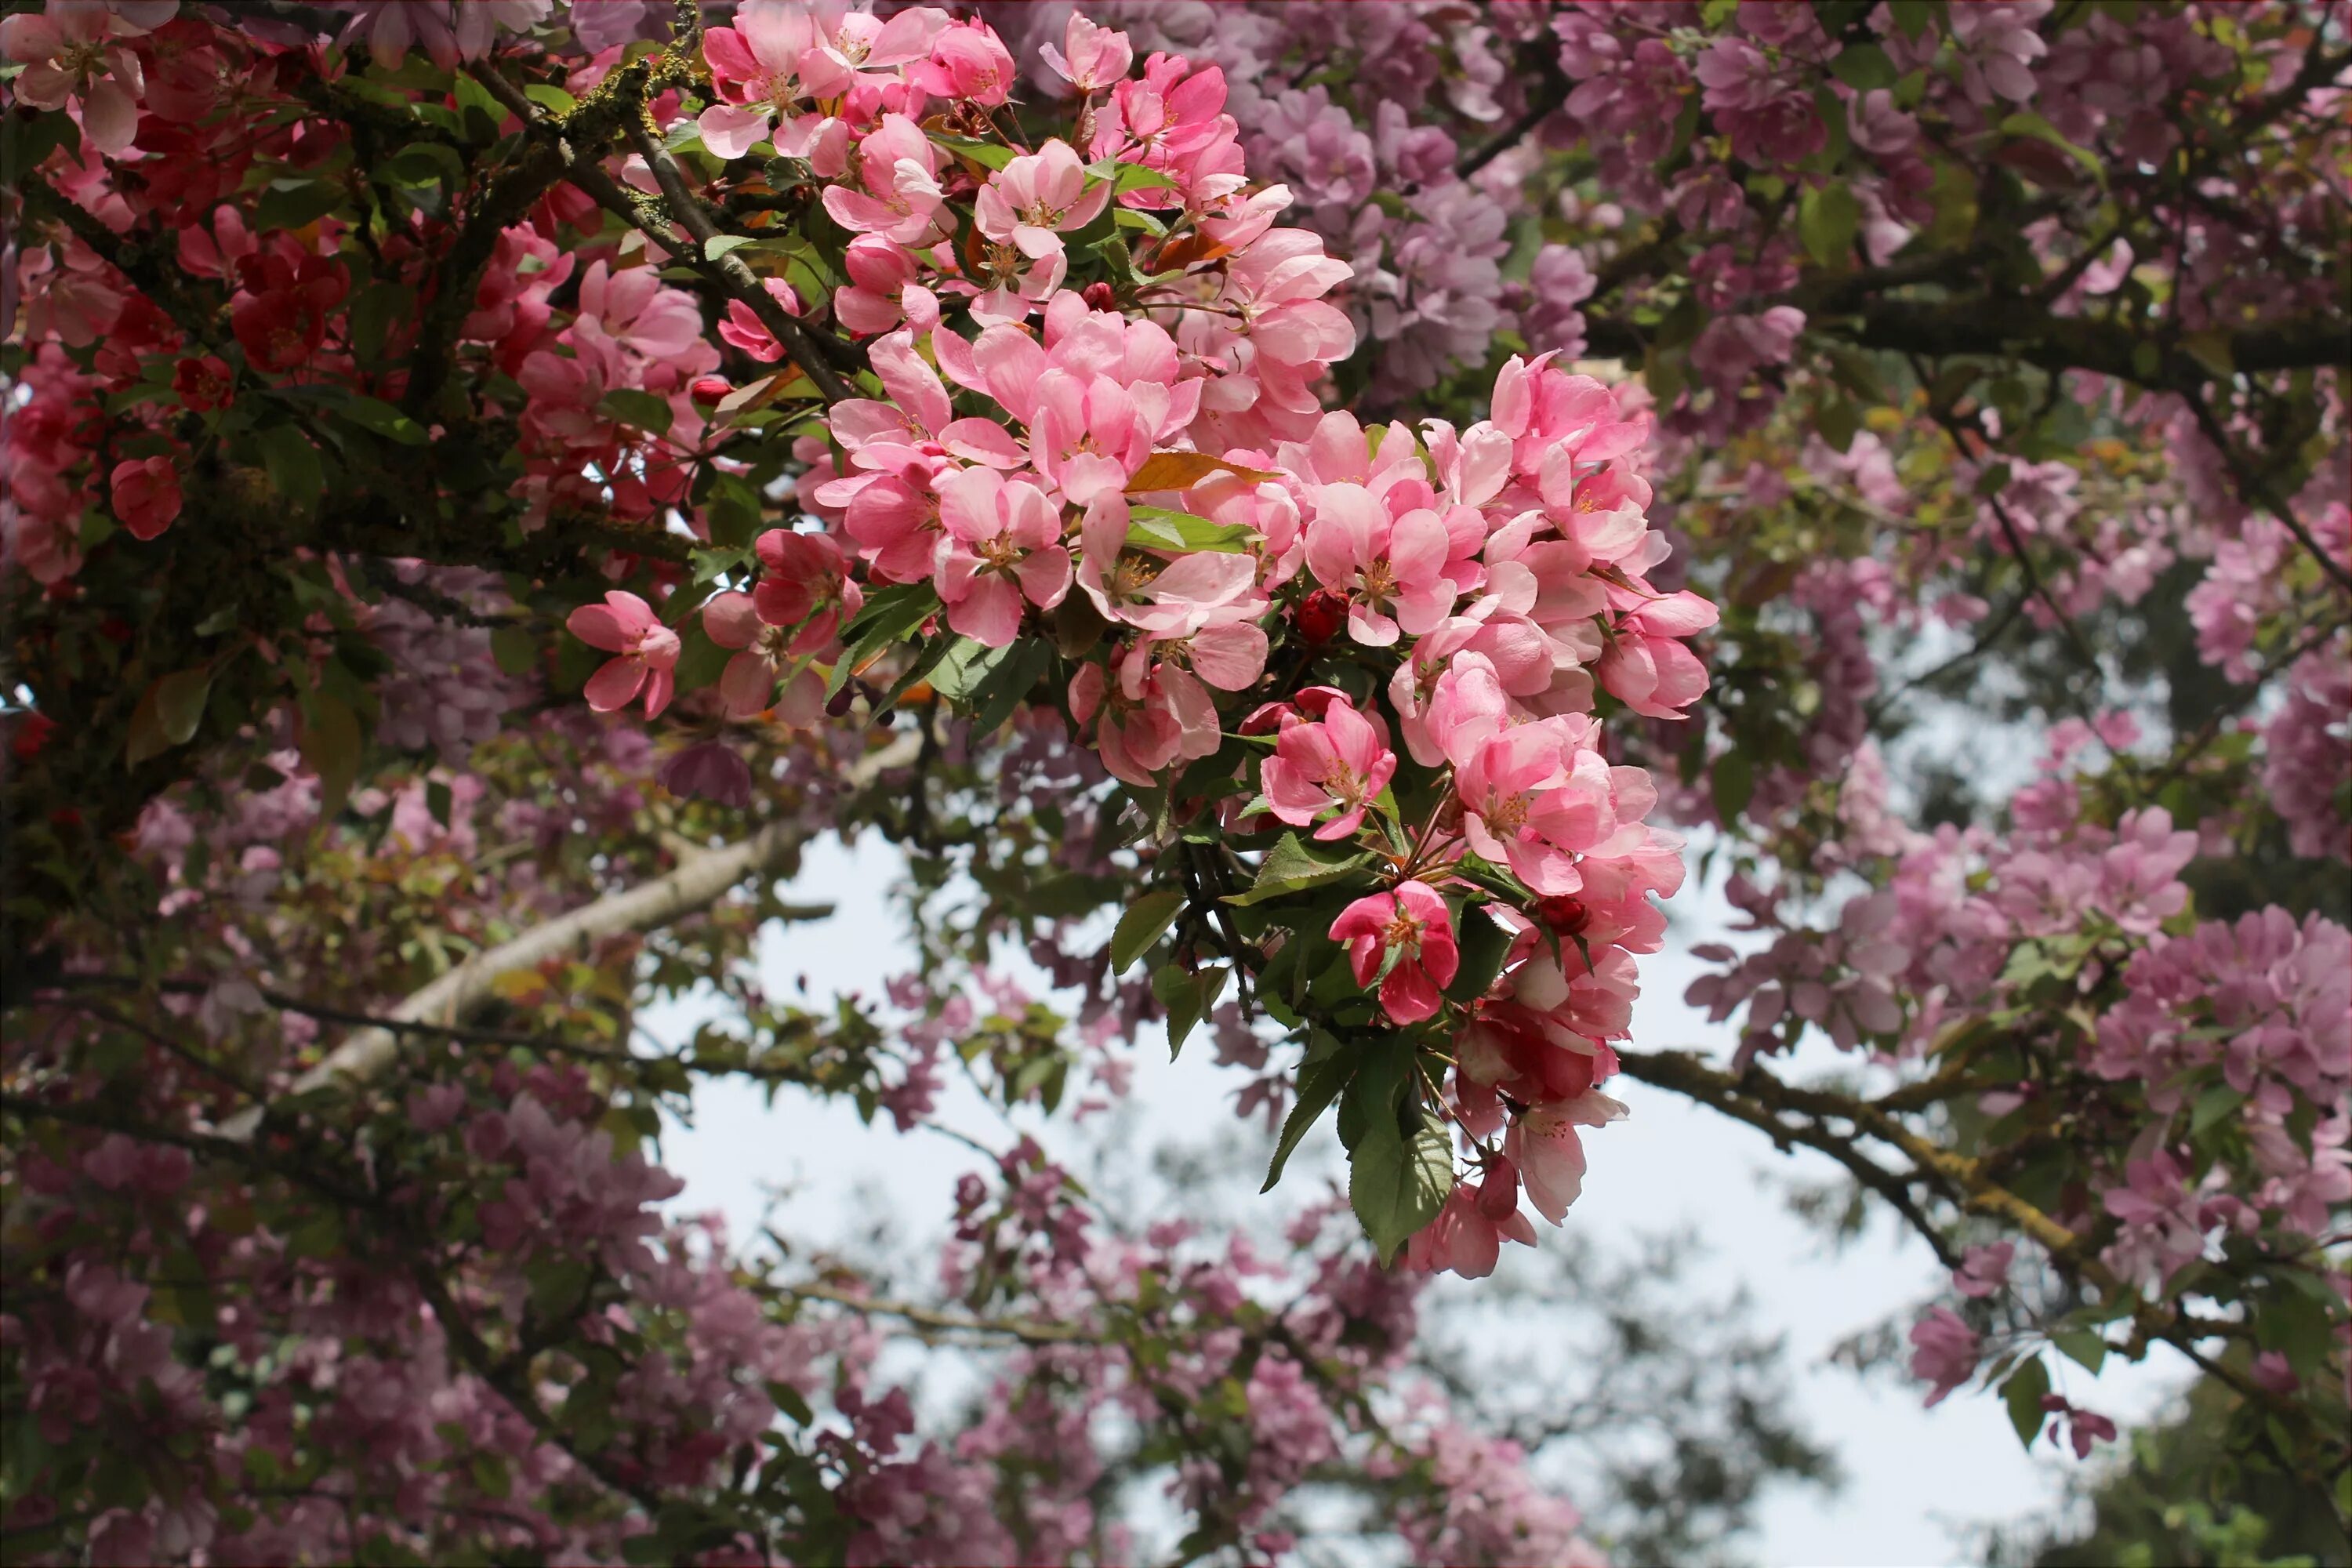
1915, 1477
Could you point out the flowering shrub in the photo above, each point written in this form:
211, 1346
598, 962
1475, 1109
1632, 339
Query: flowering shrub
486, 481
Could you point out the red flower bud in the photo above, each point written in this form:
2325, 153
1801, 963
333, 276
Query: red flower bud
1098, 297
33, 732
708, 389
1564, 913
1322, 615
1498, 1195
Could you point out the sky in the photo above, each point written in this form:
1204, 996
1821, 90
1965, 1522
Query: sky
1916, 1478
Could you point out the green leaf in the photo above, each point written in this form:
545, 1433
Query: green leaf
2025, 122
1136, 177
700, 661
549, 97
1734, 783
1012, 680
515, 649
373, 310
889, 617
1293, 867
292, 463
375, 414
330, 748
1913, 18
490, 1473
2023, 1393
1142, 924
1396, 1184
987, 154
1862, 67
965, 666
168, 713
1188, 996
1484, 945
2219, 1102
789, 1401
1320, 1079
640, 409
293, 203
719, 245
1376, 1091
2081, 1346
1828, 216
1157, 527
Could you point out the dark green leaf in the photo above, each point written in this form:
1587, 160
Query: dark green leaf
1141, 924
295, 471
1292, 866
375, 414
1862, 67
2023, 1393
1483, 945
1397, 1185
1319, 1083
639, 409
889, 617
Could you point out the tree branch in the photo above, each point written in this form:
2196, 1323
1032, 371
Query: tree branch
693, 886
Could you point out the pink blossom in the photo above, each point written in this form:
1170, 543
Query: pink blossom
1000, 543
1532, 800
1944, 1351
899, 168
1984, 1271
146, 492
1391, 568
1036, 198
1403, 940
1091, 58
1551, 1156
1339, 763
66, 57
967, 61
741, 325
647, 652
1146, 713
1468, 1235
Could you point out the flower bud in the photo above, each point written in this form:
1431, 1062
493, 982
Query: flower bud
1098, 297
1322, 615
1498, 1195
1565, 913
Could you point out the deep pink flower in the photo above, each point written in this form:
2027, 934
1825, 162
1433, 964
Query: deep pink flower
1944, 1351
146, 495
1337, 764
1403, 940
1469, 1233
969, 62
625, 626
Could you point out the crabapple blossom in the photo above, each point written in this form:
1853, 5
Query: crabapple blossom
625, 626
1401, 940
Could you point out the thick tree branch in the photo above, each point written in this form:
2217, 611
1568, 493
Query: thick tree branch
693, 886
